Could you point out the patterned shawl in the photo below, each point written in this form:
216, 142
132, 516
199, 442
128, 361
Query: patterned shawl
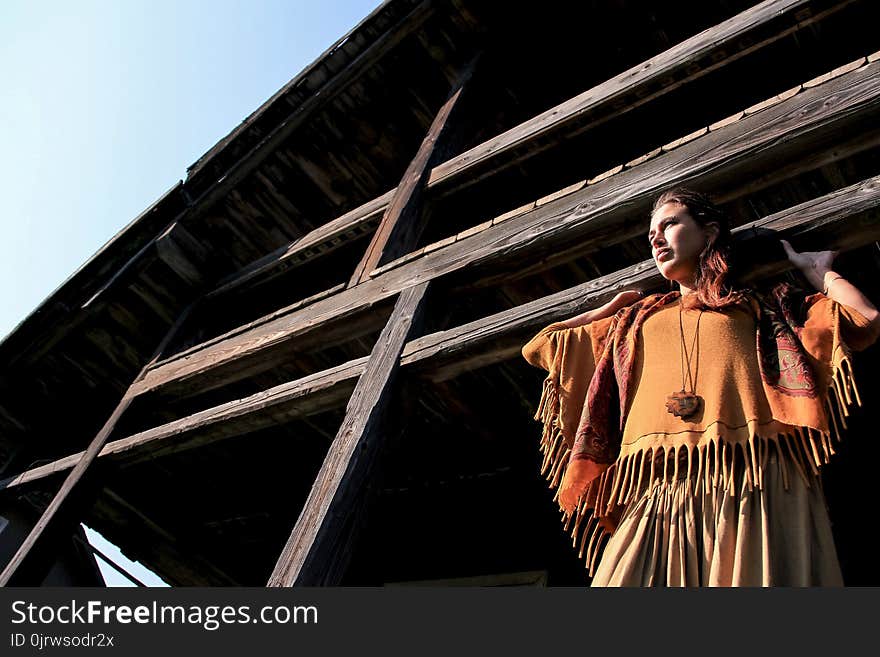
787, 372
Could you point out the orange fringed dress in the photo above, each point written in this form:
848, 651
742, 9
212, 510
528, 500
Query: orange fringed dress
729, 497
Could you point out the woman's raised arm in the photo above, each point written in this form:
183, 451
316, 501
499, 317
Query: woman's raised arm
816, 266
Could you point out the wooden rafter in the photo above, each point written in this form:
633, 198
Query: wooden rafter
607, 212
850, 214
309, 557
711, 49
24, 567
718, 46
402, 222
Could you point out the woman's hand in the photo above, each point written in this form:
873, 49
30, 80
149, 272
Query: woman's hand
621, 300
815, 265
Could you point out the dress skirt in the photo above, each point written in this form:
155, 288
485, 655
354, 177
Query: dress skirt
684, 532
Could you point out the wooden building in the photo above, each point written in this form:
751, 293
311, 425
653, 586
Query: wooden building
301, 365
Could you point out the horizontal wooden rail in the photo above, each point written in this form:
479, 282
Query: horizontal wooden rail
605, 213
707, 51
283, 403
691, 59
322, 240
847, 218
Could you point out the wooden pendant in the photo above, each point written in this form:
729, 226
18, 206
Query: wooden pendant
683, 404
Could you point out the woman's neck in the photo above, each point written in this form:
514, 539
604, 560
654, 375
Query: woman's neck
686, 287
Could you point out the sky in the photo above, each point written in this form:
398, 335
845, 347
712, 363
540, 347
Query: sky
106, 103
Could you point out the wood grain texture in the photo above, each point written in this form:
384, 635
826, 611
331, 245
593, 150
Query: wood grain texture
401, 224
718, 46
309, 557
29, 564
607, 212
689, 60
847, 218
322, 240
283, 403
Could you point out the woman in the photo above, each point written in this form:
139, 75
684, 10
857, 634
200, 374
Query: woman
687, 428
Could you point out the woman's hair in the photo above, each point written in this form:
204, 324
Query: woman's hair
713, 286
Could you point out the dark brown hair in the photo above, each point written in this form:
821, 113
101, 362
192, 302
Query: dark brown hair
713, 286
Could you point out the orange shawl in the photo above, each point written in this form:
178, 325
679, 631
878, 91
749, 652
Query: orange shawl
802, 354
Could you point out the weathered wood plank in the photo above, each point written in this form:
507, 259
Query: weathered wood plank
711, 49
282, 403
319, 330
686, 61
302, 303
268, 145
309, 557
332, 234
607, 212
401, 225
847, 218
28, 565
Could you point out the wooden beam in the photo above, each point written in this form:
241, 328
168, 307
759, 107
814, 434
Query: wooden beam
689, 60
246, 164
847, 218
309, 556
306, 396
71, 315
604, 213
318, 331
812, 161
28, 563
322, 240
402, 223
669, 70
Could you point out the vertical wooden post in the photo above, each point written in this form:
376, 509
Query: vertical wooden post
401, 225
311, 555
28, 565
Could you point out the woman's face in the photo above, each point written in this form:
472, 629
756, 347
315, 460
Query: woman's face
677, 241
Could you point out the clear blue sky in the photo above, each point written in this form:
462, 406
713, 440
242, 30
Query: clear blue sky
105, 104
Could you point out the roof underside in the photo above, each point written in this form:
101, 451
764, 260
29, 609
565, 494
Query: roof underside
340, 136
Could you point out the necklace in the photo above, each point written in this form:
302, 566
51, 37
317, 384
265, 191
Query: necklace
686, 403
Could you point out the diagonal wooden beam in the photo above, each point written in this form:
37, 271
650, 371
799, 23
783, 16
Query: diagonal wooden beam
845, 219
402, 223
28, 562
711, 49
703, 53
604, 213
309, 556
306, 396
239, 170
